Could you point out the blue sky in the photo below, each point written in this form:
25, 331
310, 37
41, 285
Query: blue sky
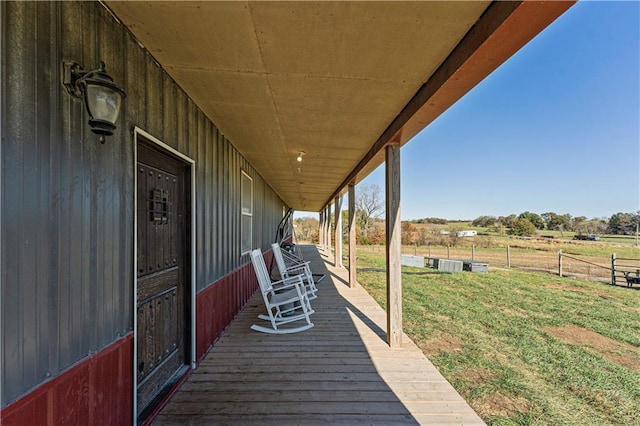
555, 128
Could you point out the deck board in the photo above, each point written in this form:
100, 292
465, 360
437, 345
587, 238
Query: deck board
341, 371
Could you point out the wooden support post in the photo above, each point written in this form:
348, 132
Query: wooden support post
394, 247
325, 226
337, 258
508, 257
560, 263
320, 225
352, 236
473, 252
324, 223
448, 251
613, 269
329, 225
328, 231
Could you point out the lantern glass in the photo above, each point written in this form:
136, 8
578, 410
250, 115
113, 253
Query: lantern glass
103, 102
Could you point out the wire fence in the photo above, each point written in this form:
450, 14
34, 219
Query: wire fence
599, 268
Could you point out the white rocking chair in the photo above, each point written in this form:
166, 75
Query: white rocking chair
286, 300
295, 268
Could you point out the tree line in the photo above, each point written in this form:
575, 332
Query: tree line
527, 223
369, 205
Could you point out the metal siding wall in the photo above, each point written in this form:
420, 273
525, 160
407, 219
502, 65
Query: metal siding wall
53, 247
67, 200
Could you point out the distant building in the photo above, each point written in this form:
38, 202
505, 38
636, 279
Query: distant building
467, 233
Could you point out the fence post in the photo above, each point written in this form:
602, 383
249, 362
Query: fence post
613, 269
508, 257
448, 251
429, 250
473, 252
415, 250
560, 263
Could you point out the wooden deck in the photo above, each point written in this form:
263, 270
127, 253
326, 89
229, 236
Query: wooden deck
339, 372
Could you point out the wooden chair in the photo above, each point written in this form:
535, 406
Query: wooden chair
286, 300
295, 268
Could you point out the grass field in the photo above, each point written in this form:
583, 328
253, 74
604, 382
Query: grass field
525, 347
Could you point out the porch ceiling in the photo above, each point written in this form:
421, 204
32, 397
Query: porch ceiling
326, 78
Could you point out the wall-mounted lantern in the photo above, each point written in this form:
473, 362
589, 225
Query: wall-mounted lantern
101, 96
299, 158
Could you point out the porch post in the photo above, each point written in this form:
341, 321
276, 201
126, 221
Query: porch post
320, 225
337, 207
352, 235
325, 219
394, 249
328, 229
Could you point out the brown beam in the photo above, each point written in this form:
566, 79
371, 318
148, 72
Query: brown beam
394, 248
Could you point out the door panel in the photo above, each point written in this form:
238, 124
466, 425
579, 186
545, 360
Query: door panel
162, 297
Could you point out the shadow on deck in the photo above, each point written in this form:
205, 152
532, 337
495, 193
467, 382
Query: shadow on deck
339, 372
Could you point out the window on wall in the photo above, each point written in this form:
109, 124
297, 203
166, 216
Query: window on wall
246, 222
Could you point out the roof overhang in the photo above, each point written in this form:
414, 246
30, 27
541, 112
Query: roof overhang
336, 80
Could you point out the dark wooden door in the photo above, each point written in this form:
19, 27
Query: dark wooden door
162, 300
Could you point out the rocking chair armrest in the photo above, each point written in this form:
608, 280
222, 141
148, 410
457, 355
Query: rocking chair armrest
296, 267
293, 259
290, 282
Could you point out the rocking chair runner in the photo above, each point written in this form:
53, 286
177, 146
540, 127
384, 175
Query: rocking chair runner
295, 269
286, 300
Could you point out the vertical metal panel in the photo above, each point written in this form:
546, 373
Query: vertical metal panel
225, 207
213, 255
169, 111
201, 199
203, 159
220, 194
13, 165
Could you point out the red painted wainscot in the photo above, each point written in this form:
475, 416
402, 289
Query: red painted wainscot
97, 390
219, 303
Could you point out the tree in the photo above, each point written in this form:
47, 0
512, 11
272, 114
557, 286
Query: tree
534, 218
434, 220
624, 223
369, 207
484, 221
579, 223
424, 237
593, 226
508, 220
306, 229
556, 222
408, 233
522, 227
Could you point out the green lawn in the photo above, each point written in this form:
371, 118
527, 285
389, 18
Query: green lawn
522, 347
